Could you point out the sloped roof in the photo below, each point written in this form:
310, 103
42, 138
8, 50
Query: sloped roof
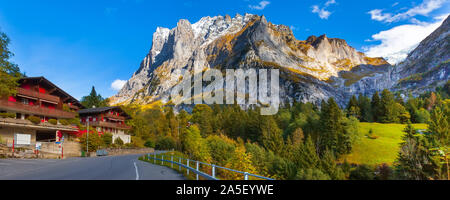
103, 109
49, 83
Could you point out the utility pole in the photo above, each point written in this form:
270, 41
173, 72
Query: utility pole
87, 137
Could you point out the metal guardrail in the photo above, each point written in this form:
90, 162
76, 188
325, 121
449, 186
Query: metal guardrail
197, 170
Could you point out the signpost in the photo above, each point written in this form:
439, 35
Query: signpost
38, 147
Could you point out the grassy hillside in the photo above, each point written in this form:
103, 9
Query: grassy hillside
383, 149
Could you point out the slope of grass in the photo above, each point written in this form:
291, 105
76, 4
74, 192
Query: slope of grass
383, 149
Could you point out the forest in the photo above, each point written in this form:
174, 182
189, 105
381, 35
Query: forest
303, 141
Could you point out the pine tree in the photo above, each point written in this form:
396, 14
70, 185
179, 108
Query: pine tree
308, 158
376, 107
439, 126
365, 109
415, 161
272, 136
94, 100
331, 125
329, 166
388, 112
353, 107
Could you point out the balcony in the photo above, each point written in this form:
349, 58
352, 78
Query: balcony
109, 115
109, 125
42, 96
35, 110
74, 107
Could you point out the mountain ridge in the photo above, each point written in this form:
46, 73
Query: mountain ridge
312, 70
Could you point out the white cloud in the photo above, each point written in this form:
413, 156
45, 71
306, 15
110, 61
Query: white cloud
323, 12
330, 2
118, 84
426, 7
260, 6
397, 42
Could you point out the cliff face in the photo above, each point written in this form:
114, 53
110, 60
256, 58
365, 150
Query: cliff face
310, 71
428, 66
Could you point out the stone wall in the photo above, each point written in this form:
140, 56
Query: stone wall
7, 134
71, 149
117, 152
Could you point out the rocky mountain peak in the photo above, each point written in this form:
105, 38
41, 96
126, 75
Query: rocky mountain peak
311, 70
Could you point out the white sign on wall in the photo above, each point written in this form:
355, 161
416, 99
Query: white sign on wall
23, 139
38, 145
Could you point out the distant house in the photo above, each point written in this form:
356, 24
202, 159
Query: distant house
107, 120
40, 98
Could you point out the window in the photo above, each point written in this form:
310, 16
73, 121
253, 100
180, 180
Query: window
25, 101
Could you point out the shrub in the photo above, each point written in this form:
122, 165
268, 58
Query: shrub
312, 174
221, 148
34, 119
8, 115
371, 135
165, 143
107, 139
384, 172
149, 144
53, 121
282, 169
195, 145
95, 141
118, 141
422, 116
137, 142
64, 122
362, 172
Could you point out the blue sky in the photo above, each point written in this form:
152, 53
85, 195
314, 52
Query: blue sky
82, 43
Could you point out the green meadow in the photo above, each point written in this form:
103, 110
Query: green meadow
381, 147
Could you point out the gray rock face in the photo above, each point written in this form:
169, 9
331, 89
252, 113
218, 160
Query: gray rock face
428, 66
310, 71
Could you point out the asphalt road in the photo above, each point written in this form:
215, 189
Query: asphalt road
99, 168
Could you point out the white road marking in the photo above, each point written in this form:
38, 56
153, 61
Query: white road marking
137, 173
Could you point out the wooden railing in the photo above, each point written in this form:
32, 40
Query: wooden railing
110, 125
114, 116
38, 95
35, 110
73, 107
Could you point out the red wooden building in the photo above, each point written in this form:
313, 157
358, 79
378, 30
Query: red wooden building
107, 120
36, 96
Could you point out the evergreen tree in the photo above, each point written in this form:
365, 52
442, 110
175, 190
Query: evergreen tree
331, 125
272, 136
203, 116
376, 107
94, 100
307, 156
9, 72
329, 166
439, 126
412, 106
388, 106
365, 109
399, 99
353, 108
415, 160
